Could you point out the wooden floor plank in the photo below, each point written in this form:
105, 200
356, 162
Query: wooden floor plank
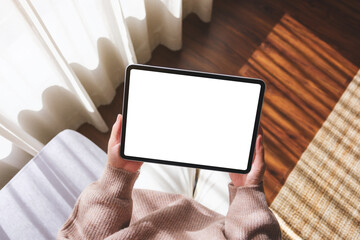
306, 51
291, 68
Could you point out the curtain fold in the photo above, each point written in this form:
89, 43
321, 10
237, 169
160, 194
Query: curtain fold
60, 60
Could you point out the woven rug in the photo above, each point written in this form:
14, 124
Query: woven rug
321, 197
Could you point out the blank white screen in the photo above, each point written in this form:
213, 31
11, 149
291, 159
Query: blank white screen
190, 119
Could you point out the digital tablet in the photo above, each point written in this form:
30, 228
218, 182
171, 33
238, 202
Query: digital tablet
189, 118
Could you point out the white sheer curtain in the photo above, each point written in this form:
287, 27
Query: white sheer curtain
60, 60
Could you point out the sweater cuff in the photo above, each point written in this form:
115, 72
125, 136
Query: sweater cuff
252, 195
118, 182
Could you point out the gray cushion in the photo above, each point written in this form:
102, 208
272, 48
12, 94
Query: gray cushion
38, 200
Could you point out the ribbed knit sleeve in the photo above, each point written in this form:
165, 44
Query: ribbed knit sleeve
103, 208
249, 216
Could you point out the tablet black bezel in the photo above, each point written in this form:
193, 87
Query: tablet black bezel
197, 74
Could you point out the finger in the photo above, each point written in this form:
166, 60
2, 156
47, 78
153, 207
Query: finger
259, 161
260, 132
115, 131
258, 168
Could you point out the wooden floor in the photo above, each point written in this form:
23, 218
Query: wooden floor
306, 51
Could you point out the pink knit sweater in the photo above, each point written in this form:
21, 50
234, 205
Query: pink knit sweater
110, 208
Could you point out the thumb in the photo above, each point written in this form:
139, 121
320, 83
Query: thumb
115, 132
116, 148
258, 167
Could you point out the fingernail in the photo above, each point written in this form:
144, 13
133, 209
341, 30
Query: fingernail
118, 117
